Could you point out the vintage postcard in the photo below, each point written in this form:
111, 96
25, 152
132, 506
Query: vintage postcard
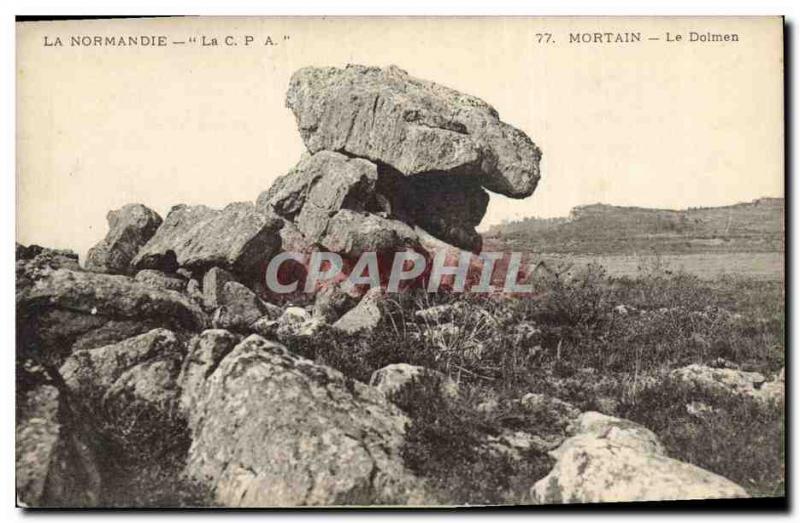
399, 261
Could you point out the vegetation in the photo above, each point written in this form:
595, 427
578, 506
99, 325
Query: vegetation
600, 343
757, 226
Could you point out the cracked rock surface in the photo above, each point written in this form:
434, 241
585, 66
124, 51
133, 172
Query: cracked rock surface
318, 439
413, 125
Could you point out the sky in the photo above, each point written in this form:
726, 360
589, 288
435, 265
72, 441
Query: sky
654, 123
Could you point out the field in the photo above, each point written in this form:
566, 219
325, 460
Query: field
571, 341
763, 266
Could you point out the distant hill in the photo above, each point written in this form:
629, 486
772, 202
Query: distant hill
757, 226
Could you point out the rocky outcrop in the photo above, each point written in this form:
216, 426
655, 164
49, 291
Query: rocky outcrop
404, 149
613, 460
66, 309
392, 161
236, 238
33, 262
318, 439
412, 125
129, 228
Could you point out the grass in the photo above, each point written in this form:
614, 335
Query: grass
142, 449
598, 342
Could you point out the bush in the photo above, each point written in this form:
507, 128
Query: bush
447, 445
572, 340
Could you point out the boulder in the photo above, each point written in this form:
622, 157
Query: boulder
612, 460
203, 356
112, 296
162, 280
129, 228
621, 431
318, 187
397, 377
351, 234
151, 383
237, 238
365, 316
55, 465
274, 429
141, 369
239, 307
412, 125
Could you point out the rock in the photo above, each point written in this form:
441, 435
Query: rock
113, 296
397, 377
266, 327
444, 313
351, 234
614, 460
143, 368
332, 301
151, 383
365, 316
294, 322
318, 187
773, 391
33, 262
617, 430
194, 291
699, 409
412, 125
721, 380
161, 280
109, 331
204, 355
534, 421
55, 467
240, 307
236, 238
129, 228
274, 429
214, 281
37, 435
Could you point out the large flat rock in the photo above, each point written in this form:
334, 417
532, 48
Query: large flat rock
237, 238
413, 125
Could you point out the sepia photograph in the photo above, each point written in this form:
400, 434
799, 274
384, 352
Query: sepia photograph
400, 262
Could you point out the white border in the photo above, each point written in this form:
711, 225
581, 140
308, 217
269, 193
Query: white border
789, 8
